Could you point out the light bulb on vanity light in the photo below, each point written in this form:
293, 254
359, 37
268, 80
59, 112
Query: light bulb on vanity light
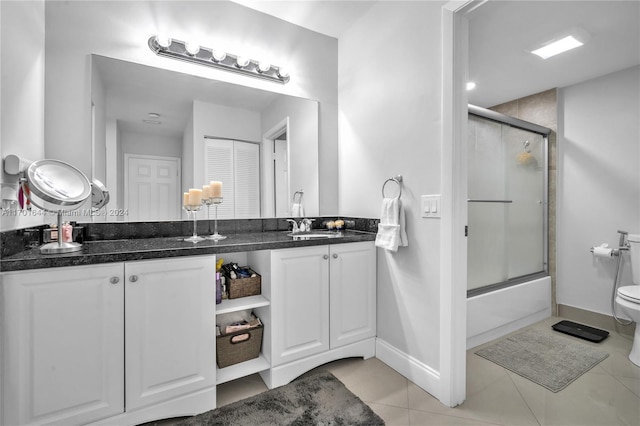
263, 66
218, 55
283, 72
192, 48
163, 41
242, 61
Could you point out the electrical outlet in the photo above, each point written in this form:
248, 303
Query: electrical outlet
430, 206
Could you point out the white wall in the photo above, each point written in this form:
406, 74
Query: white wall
99, 134
187, 157
113, 167
22, 84
598, 183
121, 29
303, 152
134, 142
389, 124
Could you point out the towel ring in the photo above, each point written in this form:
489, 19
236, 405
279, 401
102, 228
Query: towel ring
398, 181
300, 194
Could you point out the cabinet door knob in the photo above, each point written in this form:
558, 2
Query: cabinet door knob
325, 257
335, 255
114, 280
133, 278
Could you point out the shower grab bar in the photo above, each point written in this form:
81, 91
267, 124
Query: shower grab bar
488, 201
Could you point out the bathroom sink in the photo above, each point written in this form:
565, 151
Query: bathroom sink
315, 235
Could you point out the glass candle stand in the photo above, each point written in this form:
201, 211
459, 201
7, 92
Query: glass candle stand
193, 211
215, 201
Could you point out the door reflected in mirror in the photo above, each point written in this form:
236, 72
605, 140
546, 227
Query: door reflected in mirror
154, 133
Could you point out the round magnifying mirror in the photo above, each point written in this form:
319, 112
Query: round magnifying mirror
99, 194
58, 187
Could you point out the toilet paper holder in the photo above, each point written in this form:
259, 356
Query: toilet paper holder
614, 252
604, 251
623, 244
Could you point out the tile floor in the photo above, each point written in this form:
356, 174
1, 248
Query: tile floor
607, 395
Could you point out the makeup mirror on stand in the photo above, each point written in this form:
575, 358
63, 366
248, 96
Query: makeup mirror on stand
57, 187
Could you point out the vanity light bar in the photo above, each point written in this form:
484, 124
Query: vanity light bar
177, 49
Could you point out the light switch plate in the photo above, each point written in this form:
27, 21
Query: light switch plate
430, 206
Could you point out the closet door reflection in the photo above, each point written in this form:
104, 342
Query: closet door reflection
237, 165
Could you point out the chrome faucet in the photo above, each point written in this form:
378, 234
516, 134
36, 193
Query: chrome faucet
303, 226
295, 228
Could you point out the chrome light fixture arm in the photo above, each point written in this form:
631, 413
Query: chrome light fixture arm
201, 55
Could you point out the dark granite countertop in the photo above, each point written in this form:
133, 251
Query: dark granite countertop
122, 250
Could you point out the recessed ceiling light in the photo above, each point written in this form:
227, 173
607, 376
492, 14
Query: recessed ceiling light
559, 46
153, 115
471, 85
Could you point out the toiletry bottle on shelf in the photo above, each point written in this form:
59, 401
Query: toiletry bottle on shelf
219, 281
218, 288
67, 232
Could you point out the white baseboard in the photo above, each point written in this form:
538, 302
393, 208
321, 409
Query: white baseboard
418, 372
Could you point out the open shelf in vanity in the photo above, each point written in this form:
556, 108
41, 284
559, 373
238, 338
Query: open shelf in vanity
258, 302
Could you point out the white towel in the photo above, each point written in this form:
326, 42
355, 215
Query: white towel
297, 210
391, 229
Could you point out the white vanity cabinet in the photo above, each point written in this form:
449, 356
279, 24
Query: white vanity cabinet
323, 306
169, 329
352, 293
63, 345
77, 341
299, 303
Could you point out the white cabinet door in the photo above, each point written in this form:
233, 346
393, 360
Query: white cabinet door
299, 303
170, 328
353, 293
63, 347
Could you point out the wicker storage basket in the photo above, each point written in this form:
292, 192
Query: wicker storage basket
239, 346
243, 287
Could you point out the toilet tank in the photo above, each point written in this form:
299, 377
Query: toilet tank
634, 255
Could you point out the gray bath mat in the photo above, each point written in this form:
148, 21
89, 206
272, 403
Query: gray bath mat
544, 358
317, 399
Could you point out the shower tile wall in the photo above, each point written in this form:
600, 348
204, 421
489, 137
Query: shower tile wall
542, 109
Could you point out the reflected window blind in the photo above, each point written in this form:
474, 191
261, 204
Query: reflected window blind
237, 165
247, 180
219, 166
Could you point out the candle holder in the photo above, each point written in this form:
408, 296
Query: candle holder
215, 236
192, 210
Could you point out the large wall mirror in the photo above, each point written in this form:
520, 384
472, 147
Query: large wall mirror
156, 133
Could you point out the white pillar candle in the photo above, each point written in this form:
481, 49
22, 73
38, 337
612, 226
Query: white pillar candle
195, 197
216, 188
206, 191
185, 199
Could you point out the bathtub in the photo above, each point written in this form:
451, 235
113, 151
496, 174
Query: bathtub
500, 312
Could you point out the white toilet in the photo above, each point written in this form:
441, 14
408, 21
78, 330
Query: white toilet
628, 297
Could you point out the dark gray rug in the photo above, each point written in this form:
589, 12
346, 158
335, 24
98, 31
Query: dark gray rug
318, 399
541, 356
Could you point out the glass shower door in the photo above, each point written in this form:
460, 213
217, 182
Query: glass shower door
506, 208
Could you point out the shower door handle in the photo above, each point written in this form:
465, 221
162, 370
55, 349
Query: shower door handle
489, 201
